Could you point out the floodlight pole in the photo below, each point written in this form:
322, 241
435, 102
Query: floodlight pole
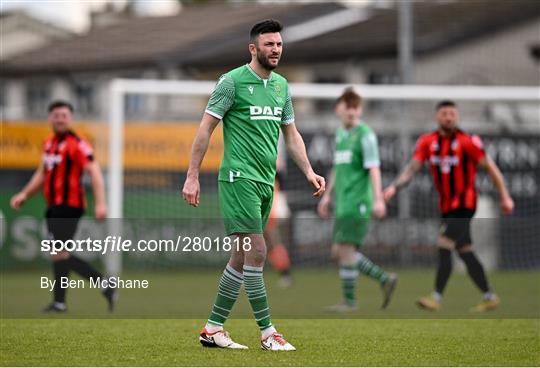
115, 172
405, 41
405, 55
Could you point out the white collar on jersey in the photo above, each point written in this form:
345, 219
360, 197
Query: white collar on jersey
265, 81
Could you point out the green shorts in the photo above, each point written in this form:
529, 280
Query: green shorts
352, 227
245, 205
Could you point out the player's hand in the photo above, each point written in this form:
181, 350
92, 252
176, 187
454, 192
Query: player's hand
316, 182
18, 200
100, 211
334, 252
379, 209
323, 208
389, 192
191, 191
507, 205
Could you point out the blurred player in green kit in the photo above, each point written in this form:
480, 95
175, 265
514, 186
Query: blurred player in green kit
356, 184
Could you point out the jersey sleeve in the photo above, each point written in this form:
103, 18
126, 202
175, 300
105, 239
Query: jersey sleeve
84, 153
370, 150
421, 149
222, 97
475, 148
288, 111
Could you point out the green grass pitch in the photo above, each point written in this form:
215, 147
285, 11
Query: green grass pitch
319, 343
159, 326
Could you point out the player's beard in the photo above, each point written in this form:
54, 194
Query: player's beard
265, 63
60, 129
449, 129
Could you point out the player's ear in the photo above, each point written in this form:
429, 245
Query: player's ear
252, 49
337, 108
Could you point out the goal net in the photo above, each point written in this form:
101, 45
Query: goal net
152, 124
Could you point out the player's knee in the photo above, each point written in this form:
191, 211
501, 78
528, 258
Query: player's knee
346, 254
257, 254
445, 243
465, 249
60, 256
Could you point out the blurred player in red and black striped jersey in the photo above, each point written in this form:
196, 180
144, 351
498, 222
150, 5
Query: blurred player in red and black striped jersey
453, 157
278, 254
66, 157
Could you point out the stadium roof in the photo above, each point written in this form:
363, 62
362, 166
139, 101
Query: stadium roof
215, 35
150, 41
19, 19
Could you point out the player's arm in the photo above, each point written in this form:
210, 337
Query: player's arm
507, 204
370, 153
98, 188
221, 100
324, 204
191, 190
421, 153
33, 186
297, 150
403, 179
379, 206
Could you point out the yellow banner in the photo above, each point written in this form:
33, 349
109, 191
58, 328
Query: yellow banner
147, 146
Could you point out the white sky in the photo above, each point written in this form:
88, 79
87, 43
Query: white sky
75, 14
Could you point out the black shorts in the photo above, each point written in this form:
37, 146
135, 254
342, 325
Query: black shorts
62, 221
456, 225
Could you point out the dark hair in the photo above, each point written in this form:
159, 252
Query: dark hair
56, 104
350, 97
445, 103
265, 26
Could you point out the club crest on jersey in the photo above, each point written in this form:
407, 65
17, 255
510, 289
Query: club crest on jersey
265, 113
49, 160
277, 88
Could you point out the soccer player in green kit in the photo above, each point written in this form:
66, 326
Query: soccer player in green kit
356, 181
254, 103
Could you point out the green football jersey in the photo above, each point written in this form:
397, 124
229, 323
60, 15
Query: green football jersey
356, 153
253, 110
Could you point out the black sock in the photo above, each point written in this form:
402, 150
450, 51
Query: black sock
83, 268
444, 270
475, 270
60, 269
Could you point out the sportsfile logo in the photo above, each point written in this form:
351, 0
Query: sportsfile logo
265, 113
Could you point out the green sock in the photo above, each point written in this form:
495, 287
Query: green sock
370, 269
348, 276
256, 293
228, 290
